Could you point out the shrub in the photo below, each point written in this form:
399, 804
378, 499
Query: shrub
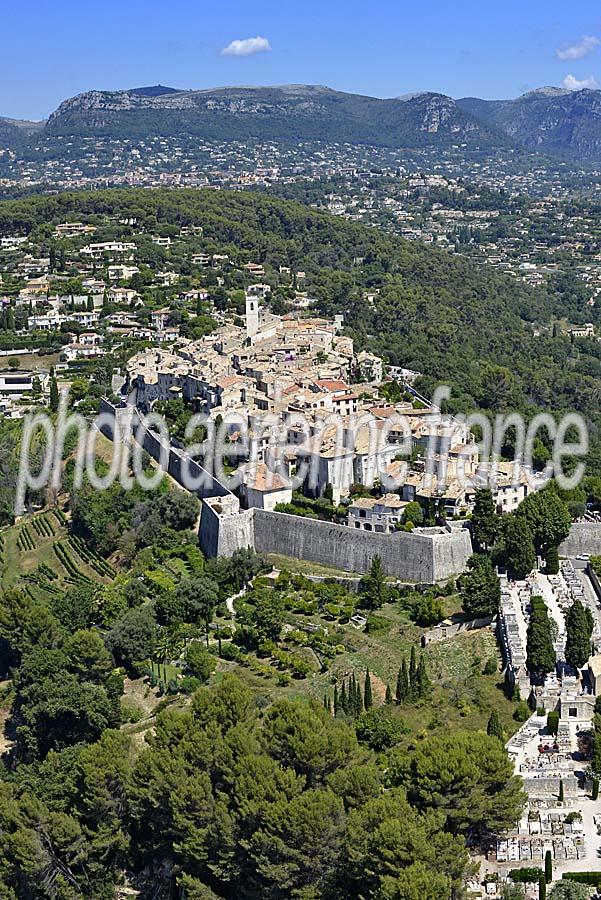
189, 684
521, 712
130, 713
527, 875
553, 722
592, 878
491, 666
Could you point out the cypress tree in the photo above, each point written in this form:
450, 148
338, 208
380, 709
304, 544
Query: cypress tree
595, 793
402, 685
540, 653
367, 695
542, 888
578, 635
412, 673
335, 699
358, 698
54, 398
485, 521
548, 867
343, 698
388, 698
561, 792
494, 728
422, 682
596, 760
552, 561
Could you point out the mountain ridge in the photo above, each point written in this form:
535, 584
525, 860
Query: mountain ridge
552, 121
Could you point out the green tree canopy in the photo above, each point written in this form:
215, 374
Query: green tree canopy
480, 588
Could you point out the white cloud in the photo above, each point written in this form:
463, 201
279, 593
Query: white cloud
577, 51
247, 47
574, 84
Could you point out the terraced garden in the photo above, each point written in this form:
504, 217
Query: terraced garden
40, 556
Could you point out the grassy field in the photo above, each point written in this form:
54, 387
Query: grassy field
462, 695
303, 566
31, 362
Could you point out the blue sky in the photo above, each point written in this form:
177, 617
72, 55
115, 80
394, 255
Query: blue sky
53, 50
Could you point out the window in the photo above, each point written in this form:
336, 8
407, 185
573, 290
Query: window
573, 712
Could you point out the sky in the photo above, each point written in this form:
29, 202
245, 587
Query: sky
54, 50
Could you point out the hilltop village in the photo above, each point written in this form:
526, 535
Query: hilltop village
292, 375
212, 342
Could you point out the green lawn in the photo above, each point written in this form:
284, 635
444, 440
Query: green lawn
303, 566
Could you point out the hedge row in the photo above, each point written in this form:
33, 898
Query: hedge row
42, 582
593, 878
95, 562
63, 556
47, 572
60, 516
25, 540
43, 526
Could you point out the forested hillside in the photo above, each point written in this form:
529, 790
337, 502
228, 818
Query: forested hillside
430, 311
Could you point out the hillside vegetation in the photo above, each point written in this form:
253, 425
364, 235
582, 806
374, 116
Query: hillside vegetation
433, 312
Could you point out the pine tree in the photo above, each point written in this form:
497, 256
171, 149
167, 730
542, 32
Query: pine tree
367, 695
388, 697
494, 728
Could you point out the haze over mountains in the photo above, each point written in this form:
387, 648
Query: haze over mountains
556, 122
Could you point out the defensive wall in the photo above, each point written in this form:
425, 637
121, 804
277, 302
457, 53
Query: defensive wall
584, 537
172, 458
426, 557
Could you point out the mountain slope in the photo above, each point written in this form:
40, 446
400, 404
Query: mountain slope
287, 113
550, 120
15, 132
